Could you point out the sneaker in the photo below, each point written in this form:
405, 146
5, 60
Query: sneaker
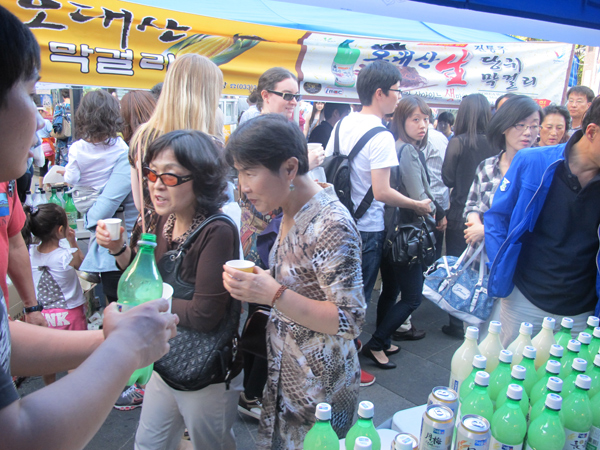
411, 335
131, 398
366, 379
251, 408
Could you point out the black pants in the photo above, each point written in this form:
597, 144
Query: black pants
455, 246
110, 282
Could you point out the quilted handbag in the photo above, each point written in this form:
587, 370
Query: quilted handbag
197, 359
459, 287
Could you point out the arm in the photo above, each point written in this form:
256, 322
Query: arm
410, 173
78, 256
72, 173
383, 192
450, 165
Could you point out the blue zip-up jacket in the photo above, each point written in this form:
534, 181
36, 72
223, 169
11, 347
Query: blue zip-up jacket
515, 210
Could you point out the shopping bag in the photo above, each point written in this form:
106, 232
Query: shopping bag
459, 286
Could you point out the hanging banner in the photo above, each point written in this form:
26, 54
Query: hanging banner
120, 44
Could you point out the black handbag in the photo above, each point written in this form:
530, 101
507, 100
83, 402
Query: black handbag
254, 334
197, 359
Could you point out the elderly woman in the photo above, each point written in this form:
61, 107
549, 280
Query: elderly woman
314, 284
555, 126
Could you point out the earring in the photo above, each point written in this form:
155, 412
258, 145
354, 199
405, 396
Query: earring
292, 187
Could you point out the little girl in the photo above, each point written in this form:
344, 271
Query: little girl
93, 156
53, 263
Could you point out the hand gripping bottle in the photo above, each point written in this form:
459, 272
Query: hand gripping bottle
547, 432
140, 283
517, 376
579, 368
585, 339
463, 358
491, 346
508, 423
593, 371
595, 344
554, 386
466, 387
321, 436
577, 415
539, 388
528, 362
478, 401
522, 341
543, 341
501, 376
556, 353
564, 335
573, 348
594, 437
364, 427
362, 443
592, 323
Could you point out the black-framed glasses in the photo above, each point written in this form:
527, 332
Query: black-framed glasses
287, 96
168, 179
399, 91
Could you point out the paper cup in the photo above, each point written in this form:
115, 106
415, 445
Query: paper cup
314, 146
168, 294
114, 228
241, 264
80, 226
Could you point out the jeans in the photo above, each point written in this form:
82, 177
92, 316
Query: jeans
391, 313
372, 247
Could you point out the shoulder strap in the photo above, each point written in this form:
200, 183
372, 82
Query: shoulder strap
192, 237
336, 141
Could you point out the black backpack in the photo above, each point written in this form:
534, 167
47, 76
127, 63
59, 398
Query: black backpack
337, 171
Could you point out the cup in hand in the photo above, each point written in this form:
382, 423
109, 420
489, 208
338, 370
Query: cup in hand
168, 294
241, 264
80, 225
113, 226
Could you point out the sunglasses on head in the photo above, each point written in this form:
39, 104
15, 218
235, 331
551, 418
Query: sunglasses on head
287, 96
168, 179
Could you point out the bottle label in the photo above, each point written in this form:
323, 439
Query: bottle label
594, 439
344, 74
454, 383
495, 445
575, 440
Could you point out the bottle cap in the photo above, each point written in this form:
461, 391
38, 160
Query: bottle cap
567, 322
557, 350
479, 361
584, 338
597, 332
593, 321
362, 443
514, 391
518, 372
583, 382
597, 360
323, 411
554, 401
554, 384
553, 366
549, 323
495, 327
403, 442
505, 356
579, 364
526, 328
482, 378
366, 410
472, 333
574, 345
529, 352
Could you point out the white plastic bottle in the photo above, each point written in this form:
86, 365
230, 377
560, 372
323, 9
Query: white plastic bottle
543, 341
462, 361
491, 346
522, 341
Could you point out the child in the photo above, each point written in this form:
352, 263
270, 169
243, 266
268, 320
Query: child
93, 156
53, 263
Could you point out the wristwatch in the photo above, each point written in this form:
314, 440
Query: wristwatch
30, 309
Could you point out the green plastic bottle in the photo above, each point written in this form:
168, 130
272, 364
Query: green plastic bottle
71, 211
508, 423
573, 348
577, 414
517, 376
528, 361
554, 386
594, 347
343, 64
592, 323
564, 335
593, 371
585, 339
478, 401
539, 389
364, 427
547, 432
321, 436
556, 353
594, 437
479, 363
501, 376
54, 199
579, 368
140, 283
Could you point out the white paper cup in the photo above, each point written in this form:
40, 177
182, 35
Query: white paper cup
80, 226
241, 264
114, 228
168, 294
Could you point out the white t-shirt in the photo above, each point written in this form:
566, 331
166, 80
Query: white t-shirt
90, 165
56, 282
378, 153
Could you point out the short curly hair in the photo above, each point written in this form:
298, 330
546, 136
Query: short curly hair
98, 117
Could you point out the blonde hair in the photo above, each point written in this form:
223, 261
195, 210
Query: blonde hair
188, 101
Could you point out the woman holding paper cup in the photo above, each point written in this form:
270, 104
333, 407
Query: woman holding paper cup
314, 284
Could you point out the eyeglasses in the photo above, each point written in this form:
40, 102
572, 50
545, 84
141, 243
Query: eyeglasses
521, 127
168, 179
579, 102
399, 91
287, 96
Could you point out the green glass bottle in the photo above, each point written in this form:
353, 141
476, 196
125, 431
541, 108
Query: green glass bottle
554, 386
140, 283
547, 432
573, 348
577, 414
478, 401
556, 353
71, 211
593, 371
517, 376
528, 361
579, 368
594, 437
321, 436
343, 64
54, 198
585, 339
592, 323
501, 376
564, 335
508, 423
364, 427
594, 347
539, 389
479, 363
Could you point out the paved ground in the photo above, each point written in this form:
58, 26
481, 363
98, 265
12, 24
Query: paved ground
422, 365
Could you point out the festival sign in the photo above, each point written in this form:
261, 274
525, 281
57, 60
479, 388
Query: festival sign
119, 44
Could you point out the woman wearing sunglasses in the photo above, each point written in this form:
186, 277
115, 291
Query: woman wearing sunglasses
186, 176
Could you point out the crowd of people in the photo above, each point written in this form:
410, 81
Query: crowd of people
518, 179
